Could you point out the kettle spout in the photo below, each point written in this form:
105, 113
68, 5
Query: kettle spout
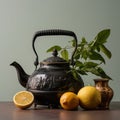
22, 76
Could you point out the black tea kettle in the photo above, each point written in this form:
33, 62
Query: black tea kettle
53, 77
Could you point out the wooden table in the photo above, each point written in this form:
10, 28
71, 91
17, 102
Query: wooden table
9, 112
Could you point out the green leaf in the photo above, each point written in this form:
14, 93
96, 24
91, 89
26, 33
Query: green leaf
72, 43
102, 36
78, 64
84, 54
77, 54
75, 74
58, 48
82, 72
102, 73
96, 56
83, 41
65, 54
90, 64
93, 71
105, 51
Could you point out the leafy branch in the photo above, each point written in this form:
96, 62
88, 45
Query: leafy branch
88, 57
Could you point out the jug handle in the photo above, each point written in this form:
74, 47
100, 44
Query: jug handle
50, 33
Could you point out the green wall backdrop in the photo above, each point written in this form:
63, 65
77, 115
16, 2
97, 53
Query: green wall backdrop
20, 19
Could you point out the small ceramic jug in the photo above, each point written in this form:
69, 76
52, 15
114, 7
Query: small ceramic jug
106, 92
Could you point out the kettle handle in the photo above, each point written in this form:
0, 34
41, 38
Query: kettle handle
53, 32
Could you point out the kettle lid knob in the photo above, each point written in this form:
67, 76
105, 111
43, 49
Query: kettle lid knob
55, 53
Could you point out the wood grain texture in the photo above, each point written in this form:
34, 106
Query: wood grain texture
9, 112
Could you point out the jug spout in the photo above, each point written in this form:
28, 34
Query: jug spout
22, 76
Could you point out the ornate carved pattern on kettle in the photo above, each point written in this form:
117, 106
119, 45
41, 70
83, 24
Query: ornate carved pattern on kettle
46, 82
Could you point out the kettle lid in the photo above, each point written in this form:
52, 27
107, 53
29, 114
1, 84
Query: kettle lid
54, 60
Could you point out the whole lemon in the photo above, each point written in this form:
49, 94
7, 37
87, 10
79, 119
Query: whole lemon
69, 101
89, 97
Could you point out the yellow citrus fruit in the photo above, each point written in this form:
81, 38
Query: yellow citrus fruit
69, 101
23, 99
89, 97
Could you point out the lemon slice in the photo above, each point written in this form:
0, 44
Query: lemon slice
23, 99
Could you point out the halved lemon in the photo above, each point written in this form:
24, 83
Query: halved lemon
23, 99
